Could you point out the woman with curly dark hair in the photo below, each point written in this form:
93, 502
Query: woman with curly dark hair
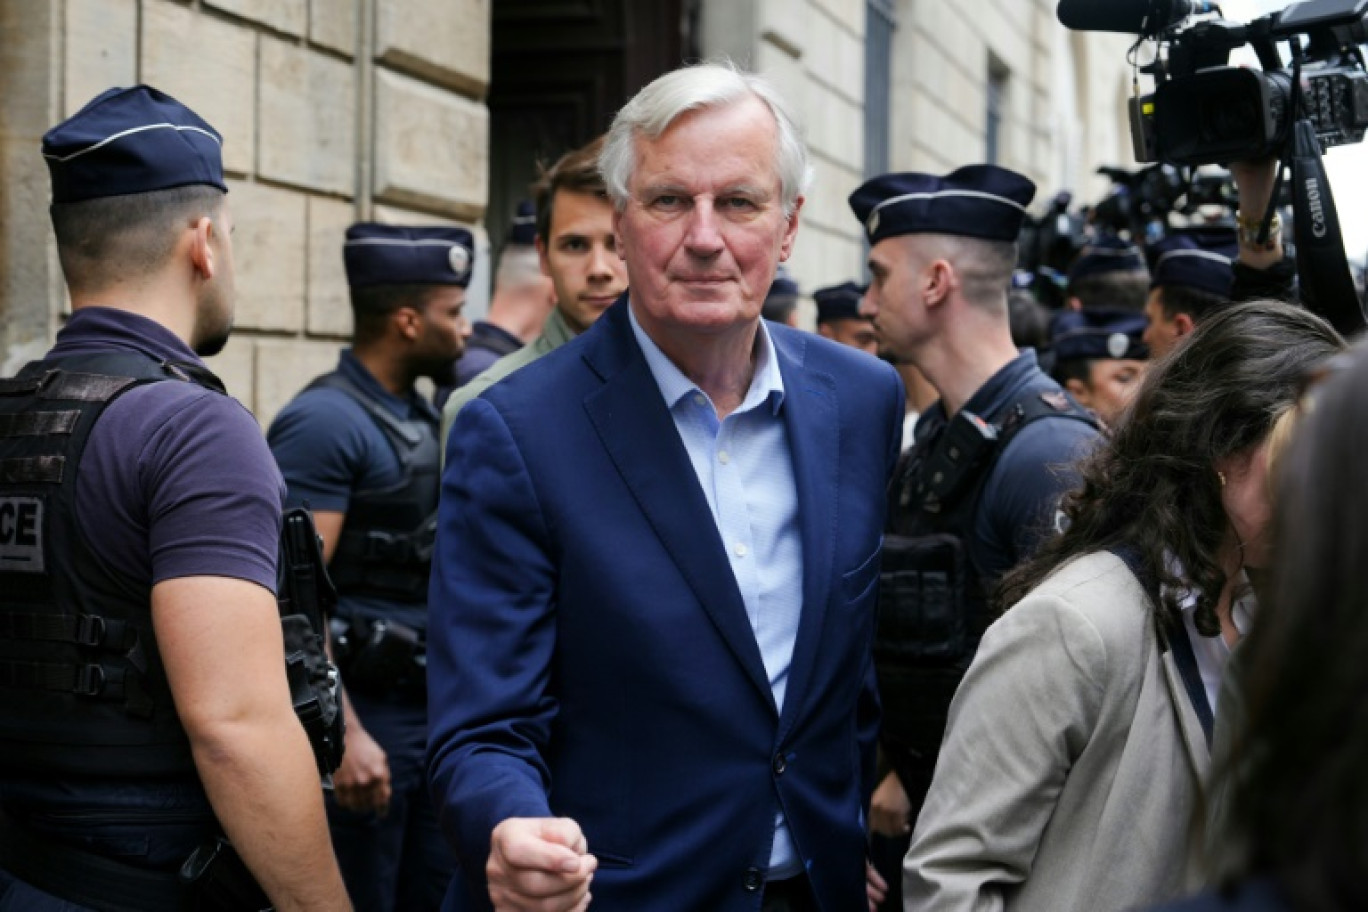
1295, 836
1078, 742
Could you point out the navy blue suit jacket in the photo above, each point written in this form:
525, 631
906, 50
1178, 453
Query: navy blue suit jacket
590, 654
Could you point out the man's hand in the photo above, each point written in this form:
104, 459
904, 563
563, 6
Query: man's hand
890, 811
539, 865
362, 782
876, 888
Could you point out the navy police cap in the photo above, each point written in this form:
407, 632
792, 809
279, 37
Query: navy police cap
783, 285
523, 230
378, 254
1099, 333
977, 201
1103, 254
838, 302
1198, 258
131, 141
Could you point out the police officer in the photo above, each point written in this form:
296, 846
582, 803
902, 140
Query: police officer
1100, 358
1108, 272
1194, 274
522, 300
781, 301
839, 317
359, 446
144, 703
983, 478
578, 252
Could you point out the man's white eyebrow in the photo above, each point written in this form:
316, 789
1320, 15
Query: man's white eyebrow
658, 189
749, 190
745, 190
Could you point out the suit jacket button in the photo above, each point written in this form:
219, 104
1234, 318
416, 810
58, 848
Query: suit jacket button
754, 879
780, 764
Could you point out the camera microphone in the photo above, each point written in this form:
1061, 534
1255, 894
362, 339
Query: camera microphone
1133, 17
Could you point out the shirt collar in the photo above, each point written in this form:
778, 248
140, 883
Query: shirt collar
767, 384
99, 328
403, 406
1000, 387
988, 398
1241, 609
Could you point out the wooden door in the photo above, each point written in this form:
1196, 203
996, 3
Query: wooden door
560, 70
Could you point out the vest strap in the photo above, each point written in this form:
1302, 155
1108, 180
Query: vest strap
38, 424
84, 878
89, 630
81, 679
29, 470
75, 386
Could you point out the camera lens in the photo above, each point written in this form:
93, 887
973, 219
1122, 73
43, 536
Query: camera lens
1219, 115
1228, 117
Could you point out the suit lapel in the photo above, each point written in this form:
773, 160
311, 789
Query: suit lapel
640, 438
812, 423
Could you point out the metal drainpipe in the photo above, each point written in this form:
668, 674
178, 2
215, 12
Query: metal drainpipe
365, 104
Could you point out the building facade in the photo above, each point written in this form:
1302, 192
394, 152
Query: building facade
439, 111
331, 111
929, 85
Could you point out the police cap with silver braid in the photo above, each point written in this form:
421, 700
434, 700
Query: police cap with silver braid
977, 201
377, 254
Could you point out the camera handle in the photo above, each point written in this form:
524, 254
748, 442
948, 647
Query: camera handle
1327, 285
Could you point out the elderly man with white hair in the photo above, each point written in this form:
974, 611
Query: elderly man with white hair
653, 592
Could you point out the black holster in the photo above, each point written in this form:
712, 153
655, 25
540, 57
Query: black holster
216, 880
381, 658
306, 597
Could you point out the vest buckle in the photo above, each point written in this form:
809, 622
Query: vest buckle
90, 681
387, 547
90, 630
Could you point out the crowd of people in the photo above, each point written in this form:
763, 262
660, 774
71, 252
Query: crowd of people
960, 602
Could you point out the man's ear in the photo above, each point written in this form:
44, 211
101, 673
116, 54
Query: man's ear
201, 248
1074, 304
1080, 391
824, 329
938, 282
407, 321
790, 231
1183, 324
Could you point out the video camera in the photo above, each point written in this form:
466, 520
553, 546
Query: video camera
1151, 202
1203, 111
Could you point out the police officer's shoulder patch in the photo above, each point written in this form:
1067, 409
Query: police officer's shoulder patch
1056, 399
21, 534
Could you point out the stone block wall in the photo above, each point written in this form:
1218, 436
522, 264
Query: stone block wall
1064, 109
813, 51
332, 111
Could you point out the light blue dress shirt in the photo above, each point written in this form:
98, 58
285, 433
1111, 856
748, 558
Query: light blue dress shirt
745, 468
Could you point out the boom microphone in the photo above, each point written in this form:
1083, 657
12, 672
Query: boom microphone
1133, 17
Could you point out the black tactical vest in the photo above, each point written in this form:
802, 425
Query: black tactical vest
82, 689
385, 547
933, 601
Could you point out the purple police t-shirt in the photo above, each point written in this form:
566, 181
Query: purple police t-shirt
176, 479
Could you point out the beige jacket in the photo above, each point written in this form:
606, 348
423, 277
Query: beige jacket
1072, 764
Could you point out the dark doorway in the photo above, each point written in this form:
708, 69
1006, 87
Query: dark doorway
560, 71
